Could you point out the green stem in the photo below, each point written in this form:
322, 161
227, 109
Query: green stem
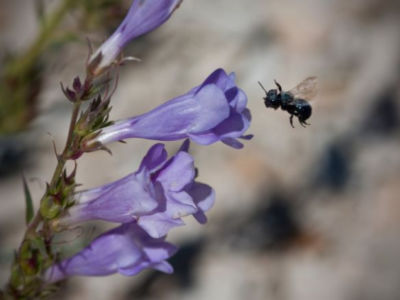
38, 220
62, 159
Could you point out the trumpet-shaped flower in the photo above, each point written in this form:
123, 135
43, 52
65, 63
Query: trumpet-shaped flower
183, 196
143, 16
214, 111
160, 193
127, 250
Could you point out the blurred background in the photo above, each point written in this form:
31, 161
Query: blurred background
303, 213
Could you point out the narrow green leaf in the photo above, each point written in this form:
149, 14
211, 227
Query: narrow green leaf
28, 202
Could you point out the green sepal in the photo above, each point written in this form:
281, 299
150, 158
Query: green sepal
50, 207
16, 278
38, 243
58, 197
31, 258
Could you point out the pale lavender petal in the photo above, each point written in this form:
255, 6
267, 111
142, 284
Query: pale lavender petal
185, 146
180, 205
234, 143
213, 108
204, 197
178, 173
237, 99
247, 137
207, 138
158, 225
241, 101
144, 16
230, 127
164, 267
154, 157
221, 79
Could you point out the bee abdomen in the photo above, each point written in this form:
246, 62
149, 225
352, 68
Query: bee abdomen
303, 108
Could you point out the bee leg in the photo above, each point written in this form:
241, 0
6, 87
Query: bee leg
303, 123
291, 121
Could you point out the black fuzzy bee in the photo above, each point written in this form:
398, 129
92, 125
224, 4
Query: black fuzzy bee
294, 101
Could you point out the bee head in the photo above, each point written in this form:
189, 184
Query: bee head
272, 99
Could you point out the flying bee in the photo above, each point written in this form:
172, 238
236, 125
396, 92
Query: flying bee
294, 101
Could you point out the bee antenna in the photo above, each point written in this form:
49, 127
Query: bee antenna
262, 87
278, 85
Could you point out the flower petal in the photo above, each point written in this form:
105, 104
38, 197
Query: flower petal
204, 197
158, 225
213, 108
178, 172
154, 157
219, 78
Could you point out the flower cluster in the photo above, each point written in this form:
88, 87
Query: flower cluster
152, 200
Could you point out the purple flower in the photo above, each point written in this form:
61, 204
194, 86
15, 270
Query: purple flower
214, 111
143, 16
157, 196
127, 249
182, 196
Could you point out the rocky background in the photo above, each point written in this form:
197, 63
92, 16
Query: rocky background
301, 214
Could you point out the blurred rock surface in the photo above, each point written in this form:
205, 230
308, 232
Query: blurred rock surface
340, 177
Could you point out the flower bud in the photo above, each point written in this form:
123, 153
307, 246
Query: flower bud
143, 17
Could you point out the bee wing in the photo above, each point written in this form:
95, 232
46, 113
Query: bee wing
307, 89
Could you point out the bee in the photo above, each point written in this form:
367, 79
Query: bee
294, 101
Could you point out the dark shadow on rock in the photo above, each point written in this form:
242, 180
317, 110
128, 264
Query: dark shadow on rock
184, 263
271, 226
383, 116
13, 155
